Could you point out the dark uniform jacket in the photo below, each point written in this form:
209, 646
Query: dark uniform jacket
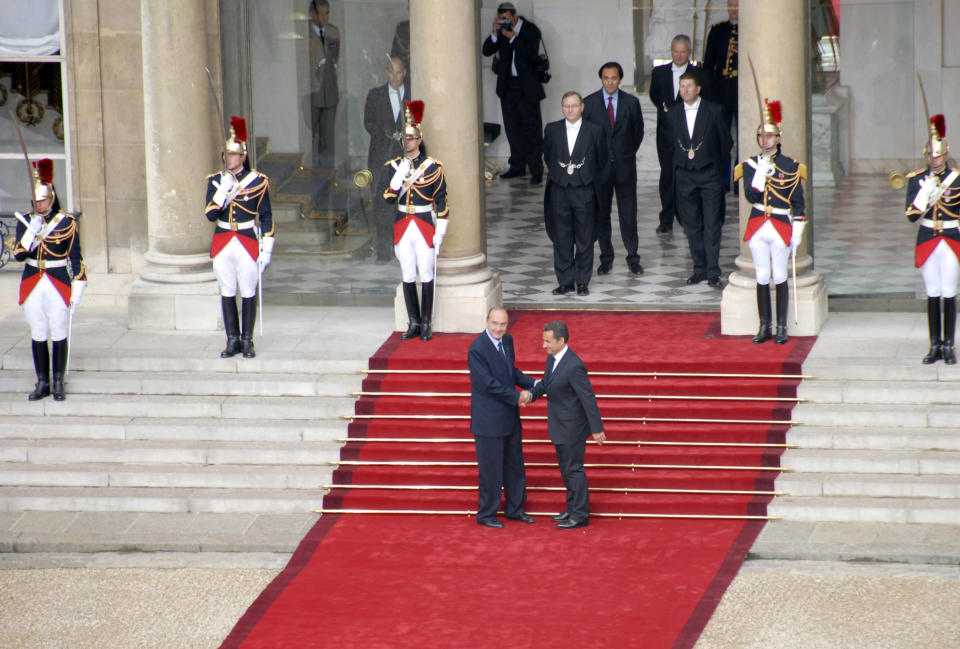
60, 246
720, 65
523, 52
238, 218
623, 139
781, 198
940, 219
710, 143
582, 169
426, 195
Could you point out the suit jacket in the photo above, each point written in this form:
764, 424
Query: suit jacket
493, 397
523, 51
572, 413
661, 91
711, 136
383, 128
324, 91
623, 139
590, 149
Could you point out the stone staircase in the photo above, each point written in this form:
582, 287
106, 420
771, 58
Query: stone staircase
879, 443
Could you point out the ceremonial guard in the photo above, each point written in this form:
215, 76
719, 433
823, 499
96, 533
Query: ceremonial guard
933, 198
237, 198
54, 278
771, 182
419, 190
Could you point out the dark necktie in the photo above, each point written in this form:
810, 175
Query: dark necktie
323, 41
610, 112
500, 349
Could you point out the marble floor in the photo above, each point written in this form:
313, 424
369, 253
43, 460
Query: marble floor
863, 247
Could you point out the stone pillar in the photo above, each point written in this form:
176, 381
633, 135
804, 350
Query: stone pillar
446, 63
176, 288
776, 36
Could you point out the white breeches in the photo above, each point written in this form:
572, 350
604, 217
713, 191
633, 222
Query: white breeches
47, 315
236, 270
414, 254
940, 272
766, 246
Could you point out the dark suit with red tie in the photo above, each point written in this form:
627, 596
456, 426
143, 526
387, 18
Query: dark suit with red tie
664, 97
623, 136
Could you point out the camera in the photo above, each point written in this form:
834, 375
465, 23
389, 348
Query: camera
505, 25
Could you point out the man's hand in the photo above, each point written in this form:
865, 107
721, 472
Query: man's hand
797, 234
403, 168
266, 253
36, 224
76, 292
439, 232
600, 437
525, 397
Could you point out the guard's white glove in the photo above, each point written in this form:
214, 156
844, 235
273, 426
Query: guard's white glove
403, 169
29, 240
439, 232
928, 194
764, 167
266, 253
226, 190
797, 235
76, 292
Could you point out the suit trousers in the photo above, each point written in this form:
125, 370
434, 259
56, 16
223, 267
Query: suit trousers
500, 465
524, 128
627, 212
668, 200
570, 460
574, 225
324, 132
699, 194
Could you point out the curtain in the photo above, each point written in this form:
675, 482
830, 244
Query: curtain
32, 28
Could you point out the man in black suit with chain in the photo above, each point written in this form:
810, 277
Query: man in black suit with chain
665, 93
701, 142
516, 42
619, 117
572, 416
575, 152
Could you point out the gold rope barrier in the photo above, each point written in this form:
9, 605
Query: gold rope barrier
457, 440
643, 420
596, 515
645, 397
624, 490
715, 375
589, 465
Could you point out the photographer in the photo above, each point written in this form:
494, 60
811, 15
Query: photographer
516, 41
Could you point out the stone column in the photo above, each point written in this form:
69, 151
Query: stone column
177, 289
776, 36
445, 61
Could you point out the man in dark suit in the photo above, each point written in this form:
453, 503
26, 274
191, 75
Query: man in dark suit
665, 93
721, 69
572, 416
324, 91
701, 142
516, 42
495, 422
575, 152
383, 119
618, 116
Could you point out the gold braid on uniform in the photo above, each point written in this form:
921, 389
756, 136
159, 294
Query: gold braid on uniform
782, 188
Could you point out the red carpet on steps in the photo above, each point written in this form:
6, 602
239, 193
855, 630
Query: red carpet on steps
421, 580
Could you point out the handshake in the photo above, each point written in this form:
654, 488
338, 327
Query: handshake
525, 398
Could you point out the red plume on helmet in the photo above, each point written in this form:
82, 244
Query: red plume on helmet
776, 111
239, 126
44, 169
940, 124
416, 109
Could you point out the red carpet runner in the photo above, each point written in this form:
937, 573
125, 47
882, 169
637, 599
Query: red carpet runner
393, 580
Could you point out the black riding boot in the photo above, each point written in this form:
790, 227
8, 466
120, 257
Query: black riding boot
783, 301
41, 363
231, 324
426, 289
763, 308
59, 368
949, 325
413, 310
933, 324
248, 310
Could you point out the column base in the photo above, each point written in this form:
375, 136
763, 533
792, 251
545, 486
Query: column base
738, 306
175, 292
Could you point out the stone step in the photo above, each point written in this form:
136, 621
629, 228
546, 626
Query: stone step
926, 393
194, 383
171, 429
870, 415
869, 485
880, 510
868, 461
180, 476
180, 406
870, 438
879, 369
197, 453
134, 499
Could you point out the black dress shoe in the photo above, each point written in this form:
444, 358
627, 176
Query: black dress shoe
664, 230
570, 524
490, 522
521, 516
562, 290
696, 278
512, 173
604, 269
536, 180
636, 268
582, 289
713, 282
562, 516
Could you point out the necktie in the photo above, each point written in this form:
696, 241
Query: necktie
500, 349
610, 112
323, 41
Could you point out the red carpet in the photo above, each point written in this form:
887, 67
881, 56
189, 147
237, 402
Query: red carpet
388, 580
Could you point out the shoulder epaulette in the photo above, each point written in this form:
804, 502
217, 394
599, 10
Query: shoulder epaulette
802, 170
915, 173
738, 172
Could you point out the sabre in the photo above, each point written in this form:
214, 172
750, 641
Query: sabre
26, 156
756, 86
66, 367
796, 307
260, 279
216, 103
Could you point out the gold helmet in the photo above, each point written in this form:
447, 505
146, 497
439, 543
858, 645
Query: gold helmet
772, 116
237, 142
412, 118
42, 179
937, 146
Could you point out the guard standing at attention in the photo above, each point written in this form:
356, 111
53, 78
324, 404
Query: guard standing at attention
54, 278
771, 182
419, 190
237, 198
